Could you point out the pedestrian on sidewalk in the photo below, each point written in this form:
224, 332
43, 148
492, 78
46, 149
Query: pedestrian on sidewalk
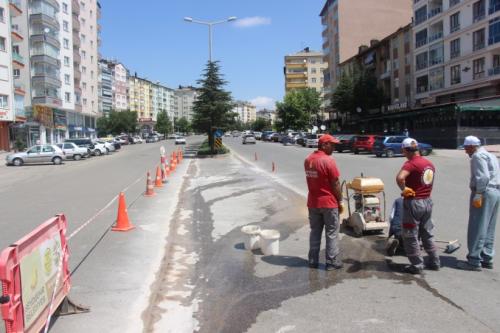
324, 202
416, 179
483, 211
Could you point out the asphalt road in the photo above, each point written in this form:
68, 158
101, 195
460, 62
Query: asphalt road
211, 284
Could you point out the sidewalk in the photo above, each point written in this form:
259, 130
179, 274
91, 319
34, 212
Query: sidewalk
115, 280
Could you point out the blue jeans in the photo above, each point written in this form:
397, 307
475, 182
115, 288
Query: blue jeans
481, 230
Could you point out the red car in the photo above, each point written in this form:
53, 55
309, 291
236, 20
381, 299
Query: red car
363, 143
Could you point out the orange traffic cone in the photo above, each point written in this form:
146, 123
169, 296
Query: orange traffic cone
122, 221
158, 182
163, 173
167, 168
149, 187
172, 165
162, 159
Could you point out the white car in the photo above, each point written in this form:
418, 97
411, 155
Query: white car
180, 140
312, 140
138, 139
73, 151
248, 138
99, 149
108, 145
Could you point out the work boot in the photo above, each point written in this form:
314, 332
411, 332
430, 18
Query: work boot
433, 266
313, 264
466, 266
487, 265
392, 246
332, 267
412, 269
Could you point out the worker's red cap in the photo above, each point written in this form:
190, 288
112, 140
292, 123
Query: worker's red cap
327, 138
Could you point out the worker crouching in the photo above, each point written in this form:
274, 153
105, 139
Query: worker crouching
415, 179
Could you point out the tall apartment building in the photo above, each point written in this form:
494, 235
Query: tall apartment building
163, 100
246, 111
347, 24
141, 101
113, 86
61, 38
105, 86
304, 69
267, 115
185, 97
9, 60
120, 86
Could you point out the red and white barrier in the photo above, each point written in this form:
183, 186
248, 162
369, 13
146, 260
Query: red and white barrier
28, 271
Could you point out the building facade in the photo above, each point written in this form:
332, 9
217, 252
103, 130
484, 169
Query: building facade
141, 101
105, 86
120, 86
185, 97
246, 112
267, 115
347, 24
304, 69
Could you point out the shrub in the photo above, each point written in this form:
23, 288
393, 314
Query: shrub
205, 150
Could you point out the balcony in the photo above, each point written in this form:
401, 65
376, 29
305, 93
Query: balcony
77, 74
385, 75
75, 7
76, 41
420, 43
76, 24
435, 61
434, 12
54, 4
47, 100
19, 89
15, 8
479, 75
479, 46
302, 75
435, 36
40, 79
45, 20
16, 35
52, 40
494, 71
494, 9
45, 59
78, 107
478, 18
296, 65
454, 28
17, 61
290, 85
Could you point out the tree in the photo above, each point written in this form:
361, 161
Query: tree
343, 97
261, 124
212, 108
297, 108
163, 123
103, 126
182, 125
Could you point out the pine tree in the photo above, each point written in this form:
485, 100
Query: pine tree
212, 108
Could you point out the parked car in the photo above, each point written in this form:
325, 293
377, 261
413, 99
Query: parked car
266, 135
275, 137
236, 134
248, 138
121, 141
346, 142
300, 139
83, 142
99, 149
180, 140
258, 135
108, 145
73, 151
37, 154
390, 145
312, 140
363, 143
138, 139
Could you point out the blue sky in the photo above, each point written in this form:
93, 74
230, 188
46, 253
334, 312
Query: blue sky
151, 38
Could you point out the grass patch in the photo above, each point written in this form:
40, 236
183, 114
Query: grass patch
205, 150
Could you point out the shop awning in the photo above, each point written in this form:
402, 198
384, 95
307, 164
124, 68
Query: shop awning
486, 105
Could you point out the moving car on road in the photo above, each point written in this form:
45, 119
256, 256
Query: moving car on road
73, 151
390, 145
363, 143
37, 154
248, 138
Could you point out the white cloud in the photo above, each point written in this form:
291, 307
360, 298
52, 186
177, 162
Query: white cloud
263, 102
253, 21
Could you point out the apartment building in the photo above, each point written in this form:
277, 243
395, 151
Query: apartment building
120, 86
163, 100
60, 74
457, 67
9, 60
185, 97
304, 69
105, 86
269, 115
246, 111
347, 24
141, 101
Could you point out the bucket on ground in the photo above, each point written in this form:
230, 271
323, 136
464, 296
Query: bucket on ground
270, 242
252, 240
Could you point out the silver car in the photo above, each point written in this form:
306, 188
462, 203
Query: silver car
248, 138
73, 151
37, 154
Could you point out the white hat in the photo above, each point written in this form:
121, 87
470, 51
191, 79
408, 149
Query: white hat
409, 143
472, 141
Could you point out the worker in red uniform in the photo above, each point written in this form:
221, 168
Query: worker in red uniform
324, 202
415, 180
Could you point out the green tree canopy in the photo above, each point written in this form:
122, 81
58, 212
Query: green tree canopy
182, 125
213, 105
117, 122
297, 108
163, 123
261, 124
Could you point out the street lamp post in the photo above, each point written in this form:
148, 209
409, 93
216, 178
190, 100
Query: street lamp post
210, 25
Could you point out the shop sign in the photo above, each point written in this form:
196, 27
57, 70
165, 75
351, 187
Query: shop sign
6, 115
145, 120
397, 107
43, 115
428, 100
60, 120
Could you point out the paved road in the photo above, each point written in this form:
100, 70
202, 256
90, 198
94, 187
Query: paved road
212, 284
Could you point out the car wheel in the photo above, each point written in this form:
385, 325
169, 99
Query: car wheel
378, 154
77, 157
339, 150
89, 152
97, 152
356, 151
389, 153
18, 162
107, 150
57, 160
424, 152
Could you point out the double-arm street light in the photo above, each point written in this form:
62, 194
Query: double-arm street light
209, 24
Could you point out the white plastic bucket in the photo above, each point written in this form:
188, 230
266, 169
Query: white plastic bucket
270, 242
252, 240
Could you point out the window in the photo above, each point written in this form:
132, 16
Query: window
455, 74
2, 44
91, 74
4, 101
313, 80
422, 84
82, 4
479, 10
455, 48
67, 97
65, 8
494, 31
478, 68
85, 101
66, 61
91, 59
313, 70
421, 15
436, 54
47, 149
478, 39
82, 20
82, 37
421, 61
494, 6
84, 54
84, 70
421, 38
66, 79
65, 26
84, 85
16, 73
454, 2
436, 79
66, 43
455, 22
4, 73
2, 14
